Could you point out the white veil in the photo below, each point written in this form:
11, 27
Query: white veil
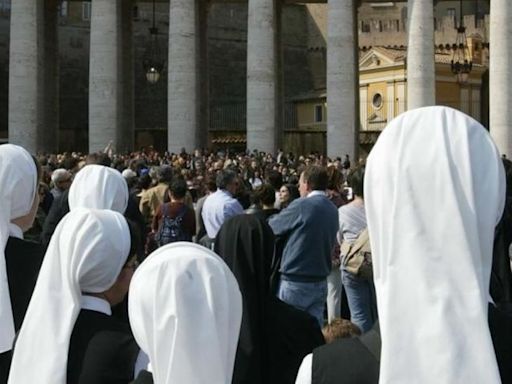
185, 310
434, 191
18, 186
85, 254
99, 187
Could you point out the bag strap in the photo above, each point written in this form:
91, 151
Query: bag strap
349, 249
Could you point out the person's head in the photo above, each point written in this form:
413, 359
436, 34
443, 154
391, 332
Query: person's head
211, 183
275, 179
87, 255
19, 197
118, 291
178, 189
62, 178
340, 328
334, 178
288, 193
313, 178
266, 195
98, 158
228, 180
355, 180
434, 190
185, 306
164, 174
99, 187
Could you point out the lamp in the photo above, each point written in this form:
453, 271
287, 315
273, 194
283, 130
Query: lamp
461, 59
152, 63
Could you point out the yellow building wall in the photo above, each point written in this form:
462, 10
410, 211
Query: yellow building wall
374, 89
306, 115
448, 94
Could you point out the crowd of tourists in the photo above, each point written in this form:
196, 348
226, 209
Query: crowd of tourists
219, 267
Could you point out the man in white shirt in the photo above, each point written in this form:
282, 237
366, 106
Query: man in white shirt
220, 205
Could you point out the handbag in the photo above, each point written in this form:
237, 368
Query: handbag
357, 256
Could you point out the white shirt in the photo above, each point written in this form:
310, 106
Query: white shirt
316, 193
97, 304
218, 207
15, 231
304, 375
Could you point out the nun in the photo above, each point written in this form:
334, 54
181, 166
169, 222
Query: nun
185, 311
435, 190
20, 260
274, 336
87, 269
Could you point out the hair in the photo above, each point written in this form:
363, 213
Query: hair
293, 191
164, 174
178, 188
316, 177
340, 329
265, 194
275, 179
334, 178
99, 159
225, 177
136, 247
356, 180
211, 183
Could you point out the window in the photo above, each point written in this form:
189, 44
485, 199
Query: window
64, 9
450, 12
86, 10
365, 26
377, 101
319, 114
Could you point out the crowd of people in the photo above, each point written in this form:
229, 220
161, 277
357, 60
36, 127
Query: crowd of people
253, 268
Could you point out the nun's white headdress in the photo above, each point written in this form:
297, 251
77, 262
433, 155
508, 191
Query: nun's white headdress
185, 311
85, 254
99, 187
434, 191
18, 186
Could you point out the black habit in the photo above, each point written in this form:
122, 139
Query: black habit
101, 350
23, 261
274, 337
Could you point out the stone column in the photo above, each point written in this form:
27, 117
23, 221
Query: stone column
261, 76
421, 77
105, 105
204, 81
500, 73
183, 84
127, 129
342, 80
33, 113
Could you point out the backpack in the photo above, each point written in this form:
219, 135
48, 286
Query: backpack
357, 256
171, 229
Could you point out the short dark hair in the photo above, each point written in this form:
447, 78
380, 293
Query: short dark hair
225, 177
98, 158
164, 174
355, 180
178, 188
265, 194
211, 183
275, 179
316, 177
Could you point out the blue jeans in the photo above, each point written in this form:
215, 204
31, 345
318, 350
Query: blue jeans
361, 300
308, 297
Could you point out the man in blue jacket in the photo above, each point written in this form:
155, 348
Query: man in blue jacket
310, 225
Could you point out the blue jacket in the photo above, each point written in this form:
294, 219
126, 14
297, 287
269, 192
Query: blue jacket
311, 225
